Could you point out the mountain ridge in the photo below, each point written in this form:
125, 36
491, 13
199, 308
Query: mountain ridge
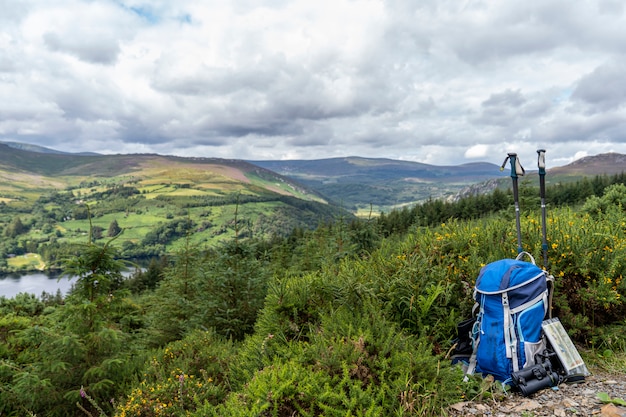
27, 171
41, 149
604, 163
353, 182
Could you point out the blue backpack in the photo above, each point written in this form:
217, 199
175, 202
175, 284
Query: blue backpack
512, 300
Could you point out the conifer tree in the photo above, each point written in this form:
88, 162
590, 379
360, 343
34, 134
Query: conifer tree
83, 344
15, 228
114, 229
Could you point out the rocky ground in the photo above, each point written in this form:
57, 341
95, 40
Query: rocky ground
579, 399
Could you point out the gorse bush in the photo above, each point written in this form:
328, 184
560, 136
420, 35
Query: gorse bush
181, 377
589, 264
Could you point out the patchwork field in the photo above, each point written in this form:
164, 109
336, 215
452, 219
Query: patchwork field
157, 204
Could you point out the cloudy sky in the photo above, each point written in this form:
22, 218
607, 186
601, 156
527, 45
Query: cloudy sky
435, 81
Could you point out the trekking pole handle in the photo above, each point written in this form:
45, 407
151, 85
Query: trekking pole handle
541, 161
516, 167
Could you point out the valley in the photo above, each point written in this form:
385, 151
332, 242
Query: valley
148, 205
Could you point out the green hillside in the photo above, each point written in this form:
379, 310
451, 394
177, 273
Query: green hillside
157, 202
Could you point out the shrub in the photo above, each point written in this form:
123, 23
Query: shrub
349, 357
355, 363
181, 377
588, 260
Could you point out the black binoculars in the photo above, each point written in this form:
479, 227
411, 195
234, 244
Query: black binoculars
536, 377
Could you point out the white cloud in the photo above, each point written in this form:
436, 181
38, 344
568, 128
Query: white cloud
580, 154
435, 81
477, 151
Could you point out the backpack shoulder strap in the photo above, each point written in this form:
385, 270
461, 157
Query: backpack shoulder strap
476, 330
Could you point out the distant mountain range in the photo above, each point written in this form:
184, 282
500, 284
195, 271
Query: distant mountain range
359, 184
354, 183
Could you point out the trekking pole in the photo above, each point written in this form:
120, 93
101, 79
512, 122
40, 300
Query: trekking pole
541, 164
516, 170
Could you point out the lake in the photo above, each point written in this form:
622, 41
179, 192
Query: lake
38, 282
34, 283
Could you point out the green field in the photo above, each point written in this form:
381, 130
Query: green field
159, 203
27, 261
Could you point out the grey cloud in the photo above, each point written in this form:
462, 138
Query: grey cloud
213, 81
88, 101
16, 113
94, 50
13, 11
611, 7
513, 29
243, 129
6, 65
490, 35
538, 106
485, 46
309, 141
603, 89
135, 130
508, 98
272, 101
502, 109
585, 129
